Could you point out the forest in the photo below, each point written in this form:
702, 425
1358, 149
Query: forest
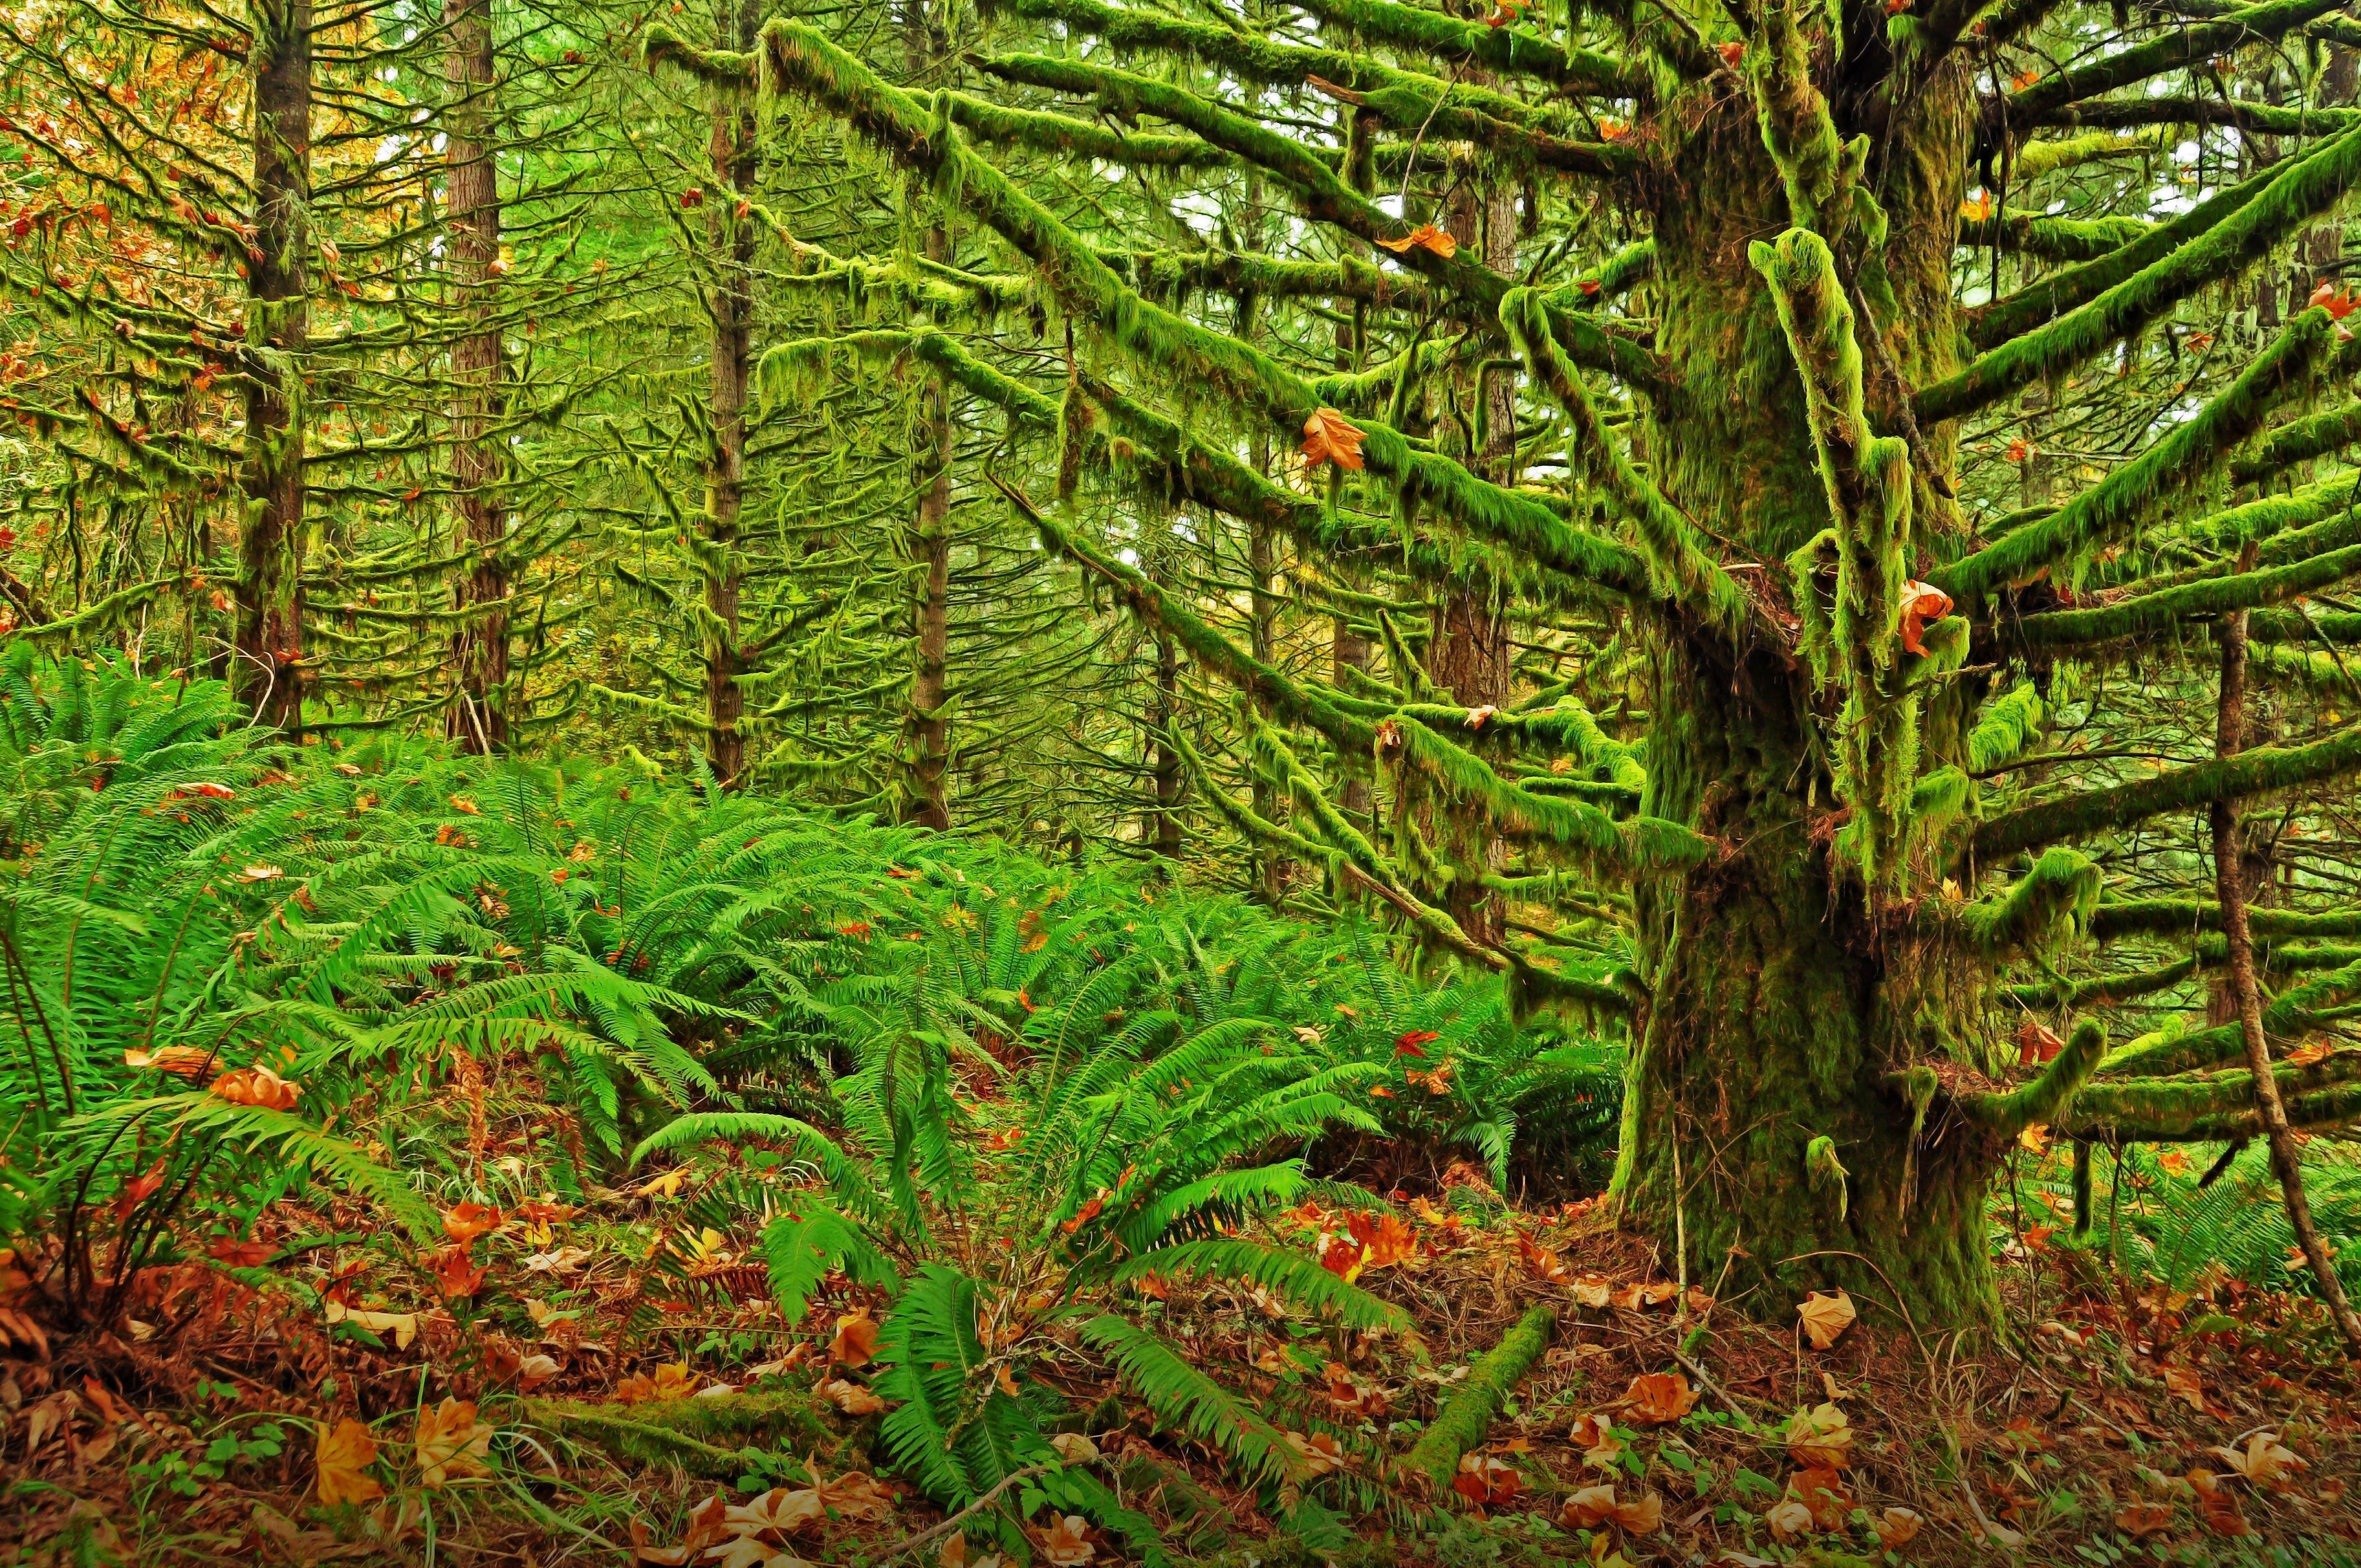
1229, 782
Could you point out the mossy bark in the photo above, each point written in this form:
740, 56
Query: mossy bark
1780, 1000
478, 719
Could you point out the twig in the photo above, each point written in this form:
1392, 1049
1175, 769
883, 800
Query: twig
926, 1537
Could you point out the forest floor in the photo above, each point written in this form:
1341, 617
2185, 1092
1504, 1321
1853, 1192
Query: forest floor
601, 1412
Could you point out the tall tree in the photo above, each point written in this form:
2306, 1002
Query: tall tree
1817, 1093
268, 665
479, 650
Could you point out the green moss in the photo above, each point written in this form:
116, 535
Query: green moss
1460, 1425
2298, 192
2197, 446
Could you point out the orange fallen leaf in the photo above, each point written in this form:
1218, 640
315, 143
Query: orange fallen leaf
1066, 1543
2140, 1520
1923, 604
257, 1086
1486, 1481
1385, 1239
451, 1442
1319, 1452
849, 1397
342, 1453
1825, 1317
465, 1222
856, 1340
1658, 1399
181, 1061
2184, 1384
1898, 1527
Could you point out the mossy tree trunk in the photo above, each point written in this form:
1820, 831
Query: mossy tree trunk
478, 720
729, 232
267, 666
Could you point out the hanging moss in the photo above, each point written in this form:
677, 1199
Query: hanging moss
2044, 1100
2051, 902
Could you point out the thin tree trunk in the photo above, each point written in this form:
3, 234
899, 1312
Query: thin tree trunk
1262, 631
927, 727
2230, 880
732, 234
1167, 766
268, 668
479, 648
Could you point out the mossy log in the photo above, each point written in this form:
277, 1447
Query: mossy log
720, 1438
1464, 1418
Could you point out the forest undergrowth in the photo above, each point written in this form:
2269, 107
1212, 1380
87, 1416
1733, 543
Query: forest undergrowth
417, 1158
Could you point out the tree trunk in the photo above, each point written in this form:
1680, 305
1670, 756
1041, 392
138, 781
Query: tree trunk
731, 237
1262, 635
478, 720
268, 665
2230, 887
926, 726
1780, 1008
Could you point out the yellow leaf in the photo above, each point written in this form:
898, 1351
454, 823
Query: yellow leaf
1825, 1317
1330, 437
344, 1451
451, 1442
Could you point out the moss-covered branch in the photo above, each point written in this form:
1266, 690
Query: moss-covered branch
1685, 573
2295, 1012
2195, 447
2053, 900
799, 58
2206, 1107
1460, 1425
2259, 772
2298, 193
2182, 916
2169, 51
2044, 1099
1518, 50
2155, 612
2052, 239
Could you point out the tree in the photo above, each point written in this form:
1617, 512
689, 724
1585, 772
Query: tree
1765, 424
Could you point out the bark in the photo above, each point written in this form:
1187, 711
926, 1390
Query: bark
268, 658
925, 738
2230, 880
1262, 632
1781, 1002
731, 303
478, 720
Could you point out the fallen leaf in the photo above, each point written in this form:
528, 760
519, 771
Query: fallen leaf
1897, 1527
1319, 1452
257, 1086
1486, 1481
2037, 1043
1330, 437
1542, 1262
403, 1326
1385, 1239
2183, 1384
1657, 1398
1427, 237
181, 1061
849, 1397
1590, 1290
856, 1495
1065, 1544
1789, 1520
2140, 1520
1820, 1438
856, 1340
1595, 1435
2265, 1462
456, 1274
465, 1222
342, 1453
1825, 1317
564, 1261
1822, 1491
779, 1511
1073, 1448
451, 1442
